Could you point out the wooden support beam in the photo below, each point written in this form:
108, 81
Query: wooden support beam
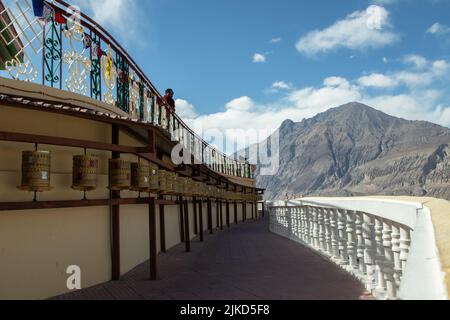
162, 228
217, 214
244, 211
221, 215
152, 238
228, 213
115, 217
187, 233
194, 201
66, 142
236, 213
39, 205
209, 213
200, 212
181, 206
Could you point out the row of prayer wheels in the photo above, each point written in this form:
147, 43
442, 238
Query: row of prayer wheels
123, 175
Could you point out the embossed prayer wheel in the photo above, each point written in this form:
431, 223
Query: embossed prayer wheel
119, 174
36, 171
84, 173
171, 179
154, 179
140, 177
162, 177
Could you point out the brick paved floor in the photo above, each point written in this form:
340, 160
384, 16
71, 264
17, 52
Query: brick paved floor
246, 262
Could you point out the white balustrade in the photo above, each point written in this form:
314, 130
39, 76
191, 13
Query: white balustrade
368, 241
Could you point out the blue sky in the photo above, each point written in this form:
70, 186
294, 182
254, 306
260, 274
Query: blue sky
254, 63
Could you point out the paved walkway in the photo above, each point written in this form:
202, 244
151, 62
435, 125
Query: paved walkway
246, 262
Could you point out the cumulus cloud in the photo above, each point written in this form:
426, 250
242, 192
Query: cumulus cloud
377, 80
359, 30
259, 58
118, 15
185, 110
275, 40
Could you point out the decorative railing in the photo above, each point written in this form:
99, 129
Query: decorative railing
388, 245
50, 43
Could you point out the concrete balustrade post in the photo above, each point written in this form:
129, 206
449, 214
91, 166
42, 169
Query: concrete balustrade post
388, 268
307, 225
351, 243
398, 272
405, 242
327, 223
302, 223
381, 282
334, 234
342, 218
315, 220
360, 243
321, 223
370, 250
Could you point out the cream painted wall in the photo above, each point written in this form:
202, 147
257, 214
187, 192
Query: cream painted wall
36, 247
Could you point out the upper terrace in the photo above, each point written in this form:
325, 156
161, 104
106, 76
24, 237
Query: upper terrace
68, 51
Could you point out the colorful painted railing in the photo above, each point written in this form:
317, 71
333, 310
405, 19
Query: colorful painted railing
51, 43
388, 245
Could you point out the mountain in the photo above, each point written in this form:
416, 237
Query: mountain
355, 150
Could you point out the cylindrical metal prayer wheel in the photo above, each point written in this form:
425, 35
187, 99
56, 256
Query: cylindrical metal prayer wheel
162, 176
171, 179
140, 177
179, 186
84, 173
36, 167
119, 174
154, 179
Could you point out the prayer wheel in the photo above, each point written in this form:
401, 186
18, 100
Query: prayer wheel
84, 173
179, 186
140, 177
154, 179
171, 179
119, 174
162, 177
36, 171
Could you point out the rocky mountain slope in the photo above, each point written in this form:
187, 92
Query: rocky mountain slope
356, 150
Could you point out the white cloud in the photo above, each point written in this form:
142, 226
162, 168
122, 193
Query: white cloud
359, 30
119, 15
275, 40
240, 104
185, 110
385, 60
281, 85
377, 80
417, 61
438, 29
259, 58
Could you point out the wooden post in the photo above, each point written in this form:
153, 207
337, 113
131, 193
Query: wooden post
209, 209
217, 214
187, 234
115, 217
194, 201
181, 206
244, 211
162, 228
200, 212
235, 213
221, 215
152, 238
228, 213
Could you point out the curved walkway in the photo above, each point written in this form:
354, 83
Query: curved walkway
246, 262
